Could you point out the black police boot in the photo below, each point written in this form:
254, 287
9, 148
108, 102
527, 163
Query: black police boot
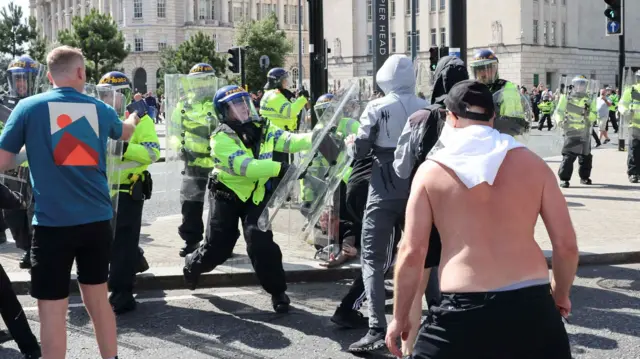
3, 237
564, 184
634, 178
143, 265
25, 262
35, 354
349, 318
373, 340
280, 302
190, 278
586, 181
188, 249
122, 303
5, 336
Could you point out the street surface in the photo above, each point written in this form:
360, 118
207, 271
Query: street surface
239, 322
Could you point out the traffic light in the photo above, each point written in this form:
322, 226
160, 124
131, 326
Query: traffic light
614, 17
444, 51
433, 57
234, 60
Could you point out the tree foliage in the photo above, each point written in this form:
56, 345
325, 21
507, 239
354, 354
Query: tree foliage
38, 44
14, 32
199, 48
98, 37
263, 38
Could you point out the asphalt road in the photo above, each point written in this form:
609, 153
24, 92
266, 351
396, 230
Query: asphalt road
239, 322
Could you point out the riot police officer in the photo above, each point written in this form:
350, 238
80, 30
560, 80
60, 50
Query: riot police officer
132, 187
242, 148
573, 116
629, 107
23, 76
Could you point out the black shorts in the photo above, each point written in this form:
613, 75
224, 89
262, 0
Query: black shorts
435, 249
55, 248
522, 323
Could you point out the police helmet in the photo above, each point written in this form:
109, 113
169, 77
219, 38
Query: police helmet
233, 104
23, 75
484, 66
116, 80
201, 68
579, 83
114, 88
322, 103
276, 78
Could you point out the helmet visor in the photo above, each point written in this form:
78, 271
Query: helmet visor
21, 83
579, 85
241, 110
485, 71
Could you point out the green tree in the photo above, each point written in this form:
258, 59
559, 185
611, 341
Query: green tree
263, 38
38, 44
199, 48
98, 37
14, 32
4, 64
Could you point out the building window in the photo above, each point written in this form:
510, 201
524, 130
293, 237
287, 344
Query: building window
409, 41
546, 32
162, 44
443, 4
564, 34
202, 11
137, 9
418, 40
138, 44
369, 44
553, 2
286, 14
443, 36
535, 32
369, 10
393, 42
215, 40
432, 6
295, 73
238, 14
434, 38
417, 7
393, 8
564, 2
407, 6
294, 14
553, 33
162, 9
213, 10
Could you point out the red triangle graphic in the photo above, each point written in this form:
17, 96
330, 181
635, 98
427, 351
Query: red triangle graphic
80, 156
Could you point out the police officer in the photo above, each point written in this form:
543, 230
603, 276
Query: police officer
133, 187
546, 107
629, 107
614, 98
194, 116
573, 114
242, 148
511, 106
22, 78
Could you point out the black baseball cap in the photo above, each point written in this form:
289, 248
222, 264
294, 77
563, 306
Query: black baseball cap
470, 93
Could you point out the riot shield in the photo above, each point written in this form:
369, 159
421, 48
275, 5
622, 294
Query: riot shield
513, 114
323, 166
573, 117
190, 123
629, 106
424, 78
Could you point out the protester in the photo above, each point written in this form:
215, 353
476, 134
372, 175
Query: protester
484, 192
602, 107
73, 209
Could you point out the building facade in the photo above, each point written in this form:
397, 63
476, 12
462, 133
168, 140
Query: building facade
151, 25
539, 41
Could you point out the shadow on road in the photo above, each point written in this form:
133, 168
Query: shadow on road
603, 198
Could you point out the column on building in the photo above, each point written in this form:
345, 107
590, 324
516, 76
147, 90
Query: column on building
113, 7
54, 19
94, 4
224, 11
70, 11
83, 8
189, 11
196, 5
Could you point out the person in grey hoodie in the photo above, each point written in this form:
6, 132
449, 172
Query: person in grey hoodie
381, 124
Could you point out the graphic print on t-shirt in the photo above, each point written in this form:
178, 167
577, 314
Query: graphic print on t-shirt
75, 134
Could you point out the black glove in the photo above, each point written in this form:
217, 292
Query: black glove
284, 167
304, 93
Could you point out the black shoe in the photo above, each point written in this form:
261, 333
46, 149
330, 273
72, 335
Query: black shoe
634, 178
3, 237
586, 182
190, 278
373, 340
143, 265
122, 303
36, 354
280, 303
564, 184
5, 336
25, 262
349, 318
188, 249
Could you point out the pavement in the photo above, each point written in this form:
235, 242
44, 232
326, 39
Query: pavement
239, 322
603, 216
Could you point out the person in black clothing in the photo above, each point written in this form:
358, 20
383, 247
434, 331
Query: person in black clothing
419, 136
10, 308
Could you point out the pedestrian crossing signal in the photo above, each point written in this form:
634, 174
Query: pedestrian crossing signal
433, 57
613, 13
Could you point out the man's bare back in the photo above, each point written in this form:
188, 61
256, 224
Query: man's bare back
487, 231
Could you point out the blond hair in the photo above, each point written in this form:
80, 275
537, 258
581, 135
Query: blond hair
64, 59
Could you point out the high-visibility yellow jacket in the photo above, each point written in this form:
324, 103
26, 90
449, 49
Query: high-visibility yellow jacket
283, 113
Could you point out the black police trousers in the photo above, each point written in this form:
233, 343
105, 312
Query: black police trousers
14, 317
193, 190
125, 255
566, 166
222, 234
633, 167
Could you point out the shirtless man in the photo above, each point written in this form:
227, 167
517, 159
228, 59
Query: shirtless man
497, 301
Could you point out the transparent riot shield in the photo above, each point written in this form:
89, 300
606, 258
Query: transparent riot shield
543, 143
190, 123
572, 115
321, 168
513, 114
629, 106
424, 78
